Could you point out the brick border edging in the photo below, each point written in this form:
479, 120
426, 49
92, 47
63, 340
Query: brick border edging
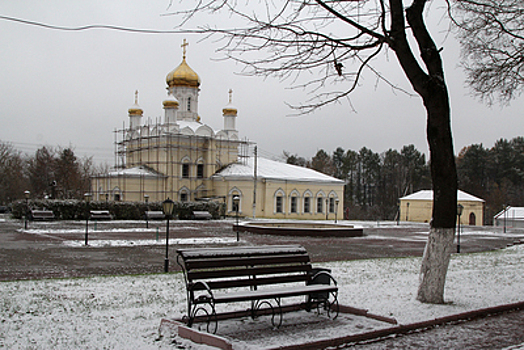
402, 329
225, 344
195, 335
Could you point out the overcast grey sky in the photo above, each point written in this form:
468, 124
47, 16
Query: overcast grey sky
74, 88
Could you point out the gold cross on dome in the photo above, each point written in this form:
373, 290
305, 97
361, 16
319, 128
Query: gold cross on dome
184, 48
230, 95
136, 97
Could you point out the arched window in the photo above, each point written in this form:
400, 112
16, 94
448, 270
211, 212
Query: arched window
231, 205
189, 104
320, 202
307, 202
293, 202
279, 201
186, 170
184, 194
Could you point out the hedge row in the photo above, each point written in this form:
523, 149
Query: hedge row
77, 210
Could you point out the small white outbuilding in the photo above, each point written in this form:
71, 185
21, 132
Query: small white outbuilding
418, 207
510, 217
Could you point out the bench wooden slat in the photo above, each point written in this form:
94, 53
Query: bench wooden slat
243, 251
271, 293
264, 281
257, 271
244, 261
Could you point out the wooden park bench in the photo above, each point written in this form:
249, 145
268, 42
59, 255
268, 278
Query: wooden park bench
154, 215
201, 215
42, 215
260, 275
100, 215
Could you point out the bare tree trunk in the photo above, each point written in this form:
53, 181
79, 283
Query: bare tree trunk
431, 86
434, 266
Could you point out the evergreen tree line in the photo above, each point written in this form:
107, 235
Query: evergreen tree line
54, 173
374, 182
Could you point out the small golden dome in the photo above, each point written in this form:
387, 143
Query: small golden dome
230, 109
135, 109
170, 102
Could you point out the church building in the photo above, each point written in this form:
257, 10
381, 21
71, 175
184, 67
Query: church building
184, 159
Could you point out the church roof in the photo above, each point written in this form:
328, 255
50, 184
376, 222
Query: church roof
139, 171
273, 170
427, 195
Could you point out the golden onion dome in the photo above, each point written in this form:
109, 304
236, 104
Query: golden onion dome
230, 109
183, 75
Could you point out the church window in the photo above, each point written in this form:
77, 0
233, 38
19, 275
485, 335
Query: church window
183, 197
307, 203
331, 205
185, 171
189, 104
200, 171
278, 204
293, 204
320, 202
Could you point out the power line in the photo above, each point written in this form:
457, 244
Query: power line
92, 26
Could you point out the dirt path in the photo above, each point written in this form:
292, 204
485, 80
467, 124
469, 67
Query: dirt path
45, 250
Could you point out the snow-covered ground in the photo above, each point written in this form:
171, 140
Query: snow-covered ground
124, 312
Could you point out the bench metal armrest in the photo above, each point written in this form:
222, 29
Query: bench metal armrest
206, 287
323, 273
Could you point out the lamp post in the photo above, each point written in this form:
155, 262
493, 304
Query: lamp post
505, 212
87, 197
146, 199
327, 208
236, 203
167, 206
27, 194
336, 208
398, 212
460, 208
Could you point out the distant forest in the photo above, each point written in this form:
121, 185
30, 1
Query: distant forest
48, 173
375, 181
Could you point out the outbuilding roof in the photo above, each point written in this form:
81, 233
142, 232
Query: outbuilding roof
427, 195
273, 170
512, 213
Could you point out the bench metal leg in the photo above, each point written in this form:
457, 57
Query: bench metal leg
275, 311
204, 313
325, 302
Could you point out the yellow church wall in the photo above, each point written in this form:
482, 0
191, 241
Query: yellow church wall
266, 198
131, 189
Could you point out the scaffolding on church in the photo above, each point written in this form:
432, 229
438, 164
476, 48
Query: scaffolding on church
184, 162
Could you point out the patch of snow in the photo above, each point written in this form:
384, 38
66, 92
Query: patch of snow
142, 242
124, 312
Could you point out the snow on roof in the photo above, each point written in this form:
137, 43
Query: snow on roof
512, 213
426, 195
270, 169
192, 125
136, 171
